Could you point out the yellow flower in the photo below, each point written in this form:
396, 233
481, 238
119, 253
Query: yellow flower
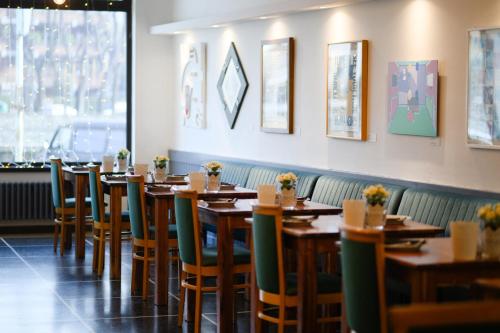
213, 166
490, 215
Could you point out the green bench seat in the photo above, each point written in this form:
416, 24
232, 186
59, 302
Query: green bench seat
334, 190
440, 208
235, 173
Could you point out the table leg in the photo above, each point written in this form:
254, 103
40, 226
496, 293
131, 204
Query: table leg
225, 279
307, 286
115, 207
162, 261
80, 191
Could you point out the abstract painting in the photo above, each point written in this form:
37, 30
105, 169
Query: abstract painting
193, 84
483, 95
413, 97
346, 90
277, 86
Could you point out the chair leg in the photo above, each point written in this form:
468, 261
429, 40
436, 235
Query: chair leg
197, 305
281, 321
102, 242
145, 274
133, 283
56, 236
95, 252
63, 239
259, 309
344, 327
182, 297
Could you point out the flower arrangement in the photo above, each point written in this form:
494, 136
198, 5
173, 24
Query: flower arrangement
287, 180
375, 195
490, 215
160, 161
213, 168
122, 154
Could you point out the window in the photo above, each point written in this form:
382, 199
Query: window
64, 81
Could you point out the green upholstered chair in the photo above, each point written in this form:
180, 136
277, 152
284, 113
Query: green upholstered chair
100, 219
439, 208
64, 207
460, 317
260, 175
198, 261
333, 191
362, 258
143, 242
277, 288
235, 173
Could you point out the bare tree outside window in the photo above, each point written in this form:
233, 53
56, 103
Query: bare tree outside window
63, 84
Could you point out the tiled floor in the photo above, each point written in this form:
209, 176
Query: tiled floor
42, 292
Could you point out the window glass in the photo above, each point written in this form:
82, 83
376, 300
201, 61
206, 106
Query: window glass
61, 73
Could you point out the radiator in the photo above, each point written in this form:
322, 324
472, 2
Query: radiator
26, 201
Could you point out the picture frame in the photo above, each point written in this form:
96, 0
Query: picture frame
483, 93
412, 98
347, 82
232, 85
193, 85
277, 85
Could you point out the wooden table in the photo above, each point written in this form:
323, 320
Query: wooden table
489, 288
226, 220
116, 189
433, 266
80, 179
162, 203
321, 237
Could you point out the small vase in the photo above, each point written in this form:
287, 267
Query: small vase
491, 243
213, 182
375, 215
122, 165
288, 198
160, 174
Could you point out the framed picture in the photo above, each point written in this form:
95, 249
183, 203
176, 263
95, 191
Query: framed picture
483, 89
193, 85
277, 58
232, 86
413, 98
346, 90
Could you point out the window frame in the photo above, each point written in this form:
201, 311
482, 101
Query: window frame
94, 5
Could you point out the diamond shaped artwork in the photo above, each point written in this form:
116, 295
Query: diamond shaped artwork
232, 85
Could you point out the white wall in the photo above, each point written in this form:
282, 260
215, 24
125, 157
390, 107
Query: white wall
396, 30
153, 83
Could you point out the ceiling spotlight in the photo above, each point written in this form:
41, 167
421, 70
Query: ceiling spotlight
216, 26
59, 2
263, 18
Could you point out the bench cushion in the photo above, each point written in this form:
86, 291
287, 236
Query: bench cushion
333, 191
235, 173
305, 184
260, 175
440, 208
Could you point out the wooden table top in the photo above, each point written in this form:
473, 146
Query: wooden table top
123, 183
238, 192
436, 253
327, 225
76, 171
492, 284
243, 208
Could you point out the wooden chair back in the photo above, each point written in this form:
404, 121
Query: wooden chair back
268, 250
363, 276
188, 227
137, 207
96, 194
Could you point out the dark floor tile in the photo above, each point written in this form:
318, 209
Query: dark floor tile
92, 308
29, 241
6, 252
95, 289
146, 324
49, 327
19, 275
25, 309
46, 251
